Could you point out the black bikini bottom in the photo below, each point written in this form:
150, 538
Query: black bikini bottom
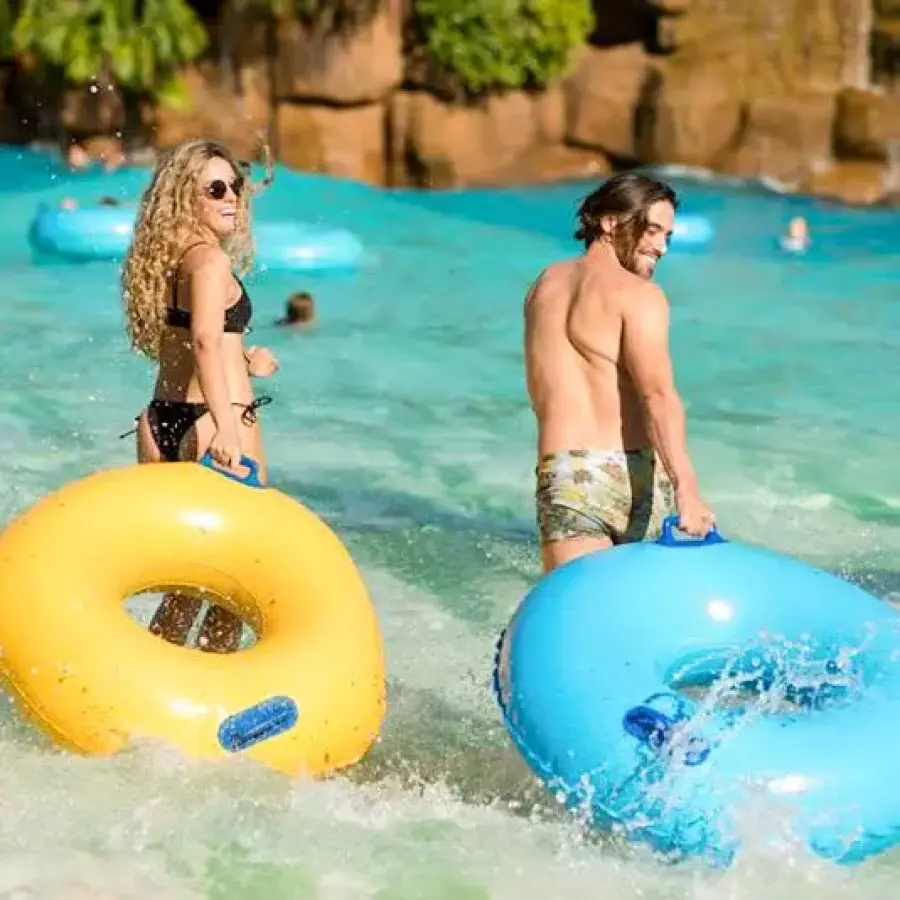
171, 420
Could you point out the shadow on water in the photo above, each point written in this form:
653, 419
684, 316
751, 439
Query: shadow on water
393, 508
438, 529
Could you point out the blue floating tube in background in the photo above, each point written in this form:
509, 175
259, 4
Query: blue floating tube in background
104, 233
301, 247
692, 231
83, 233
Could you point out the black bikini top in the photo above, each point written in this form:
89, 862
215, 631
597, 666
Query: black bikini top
237, 316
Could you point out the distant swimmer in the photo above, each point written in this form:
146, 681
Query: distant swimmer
299, 312
797, 238
77, 157
70, 203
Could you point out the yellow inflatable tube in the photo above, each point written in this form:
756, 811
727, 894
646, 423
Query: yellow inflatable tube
307, 698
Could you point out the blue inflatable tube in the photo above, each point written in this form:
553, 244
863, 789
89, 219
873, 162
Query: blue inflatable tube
301, 247
692, 231
596, 677
104, 232
83, 233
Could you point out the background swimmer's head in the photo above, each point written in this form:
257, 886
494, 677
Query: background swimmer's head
300, 310
300, 307
635, 215
798, 230
197, 190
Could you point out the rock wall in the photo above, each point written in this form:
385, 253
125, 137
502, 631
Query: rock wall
803, 91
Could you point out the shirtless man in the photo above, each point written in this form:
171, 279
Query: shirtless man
601, 385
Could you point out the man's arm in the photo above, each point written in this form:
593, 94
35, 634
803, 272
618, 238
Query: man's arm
645, 347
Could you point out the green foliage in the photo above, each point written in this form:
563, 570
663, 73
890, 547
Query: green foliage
479, 45
7, 17
470, 46
139, 46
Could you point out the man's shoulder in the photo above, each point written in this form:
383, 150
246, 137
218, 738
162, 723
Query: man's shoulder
638, 292
555, 274
645, 307
550, 281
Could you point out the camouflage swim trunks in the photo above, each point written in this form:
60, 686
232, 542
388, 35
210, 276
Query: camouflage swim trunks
623, 496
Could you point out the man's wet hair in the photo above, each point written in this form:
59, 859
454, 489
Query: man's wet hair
628, 197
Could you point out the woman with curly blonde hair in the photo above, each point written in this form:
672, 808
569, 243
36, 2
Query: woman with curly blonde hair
188, 311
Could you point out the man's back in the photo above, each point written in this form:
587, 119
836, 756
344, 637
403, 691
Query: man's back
579, 388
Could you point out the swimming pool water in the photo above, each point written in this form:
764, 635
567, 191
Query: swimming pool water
402, 419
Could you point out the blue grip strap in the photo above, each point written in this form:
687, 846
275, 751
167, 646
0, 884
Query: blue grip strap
668, 539
648, 725
260, 722
656, 729
251, 479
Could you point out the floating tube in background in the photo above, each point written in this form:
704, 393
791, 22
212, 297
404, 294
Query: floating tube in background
692, 231
83, 233
104, 233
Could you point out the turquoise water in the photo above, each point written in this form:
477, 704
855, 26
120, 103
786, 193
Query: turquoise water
402, 420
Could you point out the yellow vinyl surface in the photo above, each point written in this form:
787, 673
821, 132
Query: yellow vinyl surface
94, 679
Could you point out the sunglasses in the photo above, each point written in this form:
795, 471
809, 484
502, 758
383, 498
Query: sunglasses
218, 189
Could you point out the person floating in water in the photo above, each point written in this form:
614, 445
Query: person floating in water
70, 203
797, 239
600, 380
77, 157
299, 312
188, 312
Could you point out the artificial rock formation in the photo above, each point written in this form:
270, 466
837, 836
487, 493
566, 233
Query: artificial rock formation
804, 91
